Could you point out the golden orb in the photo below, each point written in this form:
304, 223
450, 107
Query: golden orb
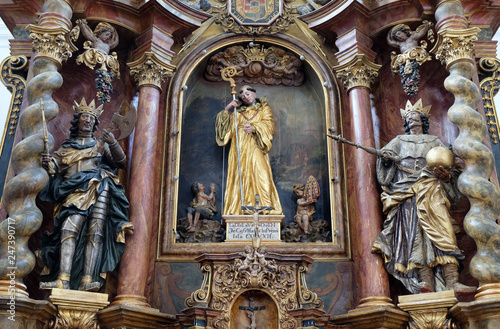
439, 157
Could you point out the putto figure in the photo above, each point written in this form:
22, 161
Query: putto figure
418, 241
99, 44
307, 195
103, 38
255, 124
202, 207
91, 215
412, 55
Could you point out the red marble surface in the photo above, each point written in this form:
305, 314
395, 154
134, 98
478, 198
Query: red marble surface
364, 204
134, 264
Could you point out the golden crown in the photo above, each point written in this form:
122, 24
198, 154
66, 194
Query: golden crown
417, 107
90, 109
256, 54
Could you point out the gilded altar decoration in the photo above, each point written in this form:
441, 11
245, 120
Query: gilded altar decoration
489, 70
254, 272
418, 242
86, 189
412, 55
261, 12
455, 45
52, 43
257, 64
359, 72
97, 48
78, 310
14, 70
149, 70
429, 311
253, 17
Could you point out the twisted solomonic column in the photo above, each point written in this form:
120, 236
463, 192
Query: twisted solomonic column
51, 46
455, 47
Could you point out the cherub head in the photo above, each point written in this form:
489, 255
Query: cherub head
105, 32
401, 33
298, 189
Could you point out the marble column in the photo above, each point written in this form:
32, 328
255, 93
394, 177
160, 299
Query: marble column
357, 71
365, 209
149, 73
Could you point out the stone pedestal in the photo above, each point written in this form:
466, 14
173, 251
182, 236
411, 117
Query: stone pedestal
484, 312
428, 310
128, 316
387, 317
77, 309
240, 228
23, 312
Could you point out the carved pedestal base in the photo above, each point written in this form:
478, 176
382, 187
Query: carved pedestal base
125, 316
22, 312
77, 309
430, 310
482, 313
373, 313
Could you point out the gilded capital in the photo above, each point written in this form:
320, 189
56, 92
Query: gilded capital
53, 43
455, 45
359, 72
149, 70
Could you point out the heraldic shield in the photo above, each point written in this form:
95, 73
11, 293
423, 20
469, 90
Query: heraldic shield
255, 12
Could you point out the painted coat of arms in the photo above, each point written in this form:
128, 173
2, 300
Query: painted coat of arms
255, 12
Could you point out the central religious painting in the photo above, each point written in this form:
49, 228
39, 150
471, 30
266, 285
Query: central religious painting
255, 12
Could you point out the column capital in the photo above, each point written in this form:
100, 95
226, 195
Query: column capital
358, 72
455, 45
51, 42
150, 70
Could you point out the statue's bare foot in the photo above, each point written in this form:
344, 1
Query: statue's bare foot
90, 286
61, 284
191, 229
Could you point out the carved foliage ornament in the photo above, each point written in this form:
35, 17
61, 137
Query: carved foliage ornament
489, 87
51, 42
222, 282
13, 77
357, 76
150, 71
455, 45
257, 64
73, 318
430, 319
229, 24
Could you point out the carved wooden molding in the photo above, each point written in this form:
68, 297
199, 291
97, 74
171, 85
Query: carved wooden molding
53, 43
359, 72
229, 24
455, 45
490, 67
149, 70
257, 64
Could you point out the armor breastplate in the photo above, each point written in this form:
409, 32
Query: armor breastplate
84, 164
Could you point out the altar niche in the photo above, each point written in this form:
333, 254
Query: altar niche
300, 149
254, 309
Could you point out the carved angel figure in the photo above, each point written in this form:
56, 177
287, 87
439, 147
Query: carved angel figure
104, 38
412, 55
99, 43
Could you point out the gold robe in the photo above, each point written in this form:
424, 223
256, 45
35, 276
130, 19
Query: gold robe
257, 177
